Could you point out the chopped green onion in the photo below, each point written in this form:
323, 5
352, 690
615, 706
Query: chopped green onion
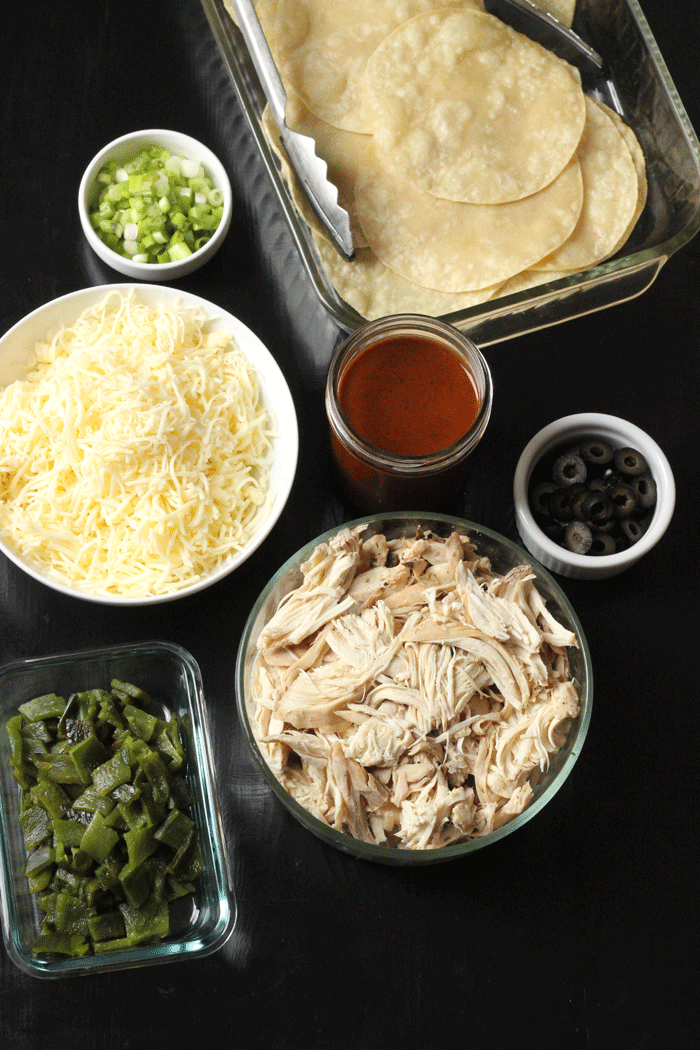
156, 207
179, 251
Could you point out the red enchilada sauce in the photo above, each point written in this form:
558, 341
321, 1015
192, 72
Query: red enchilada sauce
408, 395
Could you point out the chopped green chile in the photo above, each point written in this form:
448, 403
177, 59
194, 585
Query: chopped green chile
91, 801
144, 923
18, 753
78, 729
134, 882
154, 768
110, 713
51, 797
60, 944
111, 774
87, 754
71, 914
59, 767
107, 926
133, 692
104, 816
48, 706
68, 832
175, 829
39, 882
36, 825
89, 703
35, 731
140, 722
170, 751
39, 860
98, 840
140, 844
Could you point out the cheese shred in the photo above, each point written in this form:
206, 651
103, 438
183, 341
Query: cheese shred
135, 455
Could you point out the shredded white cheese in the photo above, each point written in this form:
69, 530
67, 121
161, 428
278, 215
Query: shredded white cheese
135, 456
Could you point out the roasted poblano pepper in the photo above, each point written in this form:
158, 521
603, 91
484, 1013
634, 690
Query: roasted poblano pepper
104, 816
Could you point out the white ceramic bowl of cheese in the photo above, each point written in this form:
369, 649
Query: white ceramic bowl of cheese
16, 352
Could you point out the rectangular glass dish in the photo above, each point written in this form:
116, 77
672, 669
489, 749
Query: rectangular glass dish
639, 88
199, 924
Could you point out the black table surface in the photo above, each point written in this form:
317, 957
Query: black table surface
580, 930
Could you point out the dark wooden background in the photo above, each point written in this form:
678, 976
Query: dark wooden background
581, 930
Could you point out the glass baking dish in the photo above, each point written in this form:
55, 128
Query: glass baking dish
639, 88
201, 923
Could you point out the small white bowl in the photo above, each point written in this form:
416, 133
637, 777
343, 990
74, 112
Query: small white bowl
16, 351
125, 148
620, 434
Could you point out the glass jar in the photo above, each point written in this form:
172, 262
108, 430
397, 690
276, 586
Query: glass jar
379, 478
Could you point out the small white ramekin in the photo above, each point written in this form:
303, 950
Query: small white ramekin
126, 147
620, 434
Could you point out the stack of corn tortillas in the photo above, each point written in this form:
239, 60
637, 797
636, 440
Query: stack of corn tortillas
468, 157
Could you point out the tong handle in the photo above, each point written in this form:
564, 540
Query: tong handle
265, 67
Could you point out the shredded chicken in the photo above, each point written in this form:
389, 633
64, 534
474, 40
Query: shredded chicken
405, 694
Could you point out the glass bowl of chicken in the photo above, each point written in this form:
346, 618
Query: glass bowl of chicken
413, 687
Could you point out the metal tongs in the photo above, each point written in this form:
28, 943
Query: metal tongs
548, 31
301, 149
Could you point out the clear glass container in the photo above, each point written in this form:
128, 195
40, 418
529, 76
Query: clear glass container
200, 924
379, 480
504, 555
639, 87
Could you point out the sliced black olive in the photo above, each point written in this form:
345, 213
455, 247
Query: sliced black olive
596, 507
645, 487
604, 526
595, 450
602, 544
578, 537
577, 497
569, 469
633, 530
559, 505
623, 499
539, 497
630, 462
596, 484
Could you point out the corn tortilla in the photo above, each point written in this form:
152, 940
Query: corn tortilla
471, 110
322, 47
462, 247
610, 195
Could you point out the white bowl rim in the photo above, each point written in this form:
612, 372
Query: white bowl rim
192, 146
599, 423
286, 439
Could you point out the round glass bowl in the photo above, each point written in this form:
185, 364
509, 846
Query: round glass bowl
126, 148
620, 434
377, 478
504, 556
16, 350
